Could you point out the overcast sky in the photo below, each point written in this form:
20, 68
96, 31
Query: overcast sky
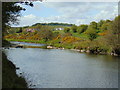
68, 12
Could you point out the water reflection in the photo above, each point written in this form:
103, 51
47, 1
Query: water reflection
55, 68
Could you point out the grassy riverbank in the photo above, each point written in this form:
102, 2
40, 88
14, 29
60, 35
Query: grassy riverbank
87, 46
29, 41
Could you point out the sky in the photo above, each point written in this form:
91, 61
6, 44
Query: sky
67, 12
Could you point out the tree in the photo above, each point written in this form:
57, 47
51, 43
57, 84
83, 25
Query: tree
10, 12
113, 36
92, 31
74, 28
93, 25
104, 27
100, 23
66, 30
46, 34
20, 31
92, 36
82, 28
38, 27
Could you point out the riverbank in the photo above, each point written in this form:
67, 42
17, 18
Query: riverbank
9, 77
28, 41
91, 47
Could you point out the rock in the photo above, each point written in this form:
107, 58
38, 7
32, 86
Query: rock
20, 73
6, 48
88, 51
19, 46
49, 47
82, 50
17, 68
115, 54
61, 48
78, 50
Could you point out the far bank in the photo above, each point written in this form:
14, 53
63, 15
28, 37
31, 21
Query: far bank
92, 47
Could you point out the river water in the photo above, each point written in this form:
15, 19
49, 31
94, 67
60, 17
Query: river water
28, 44
53, 68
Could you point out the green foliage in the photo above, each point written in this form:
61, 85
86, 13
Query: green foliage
100, 23
92, 36
74, 28
105, 26
113, 36
66, 30
91, 31
20, 31
93, 25
80, 37
46, 34
55, 34
53, 24
25, 40
82, 28
82, 44
10, 13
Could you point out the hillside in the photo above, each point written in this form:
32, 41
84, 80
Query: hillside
98, 37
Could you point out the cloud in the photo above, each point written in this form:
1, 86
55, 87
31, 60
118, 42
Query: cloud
107, 13
27, 20
73, 12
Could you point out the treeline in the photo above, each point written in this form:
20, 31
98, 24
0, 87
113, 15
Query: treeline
38, 27
93, 30
100, 38
105, 33
53, 24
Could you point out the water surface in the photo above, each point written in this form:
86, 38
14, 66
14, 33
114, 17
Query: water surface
27, 44
53, 68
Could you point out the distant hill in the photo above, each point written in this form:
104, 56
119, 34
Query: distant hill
53, 24
40, 26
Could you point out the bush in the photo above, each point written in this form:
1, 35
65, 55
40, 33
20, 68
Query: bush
66, 30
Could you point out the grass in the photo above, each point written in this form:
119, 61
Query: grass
71, 43
84, 36
44, 47
60, 31
25, 40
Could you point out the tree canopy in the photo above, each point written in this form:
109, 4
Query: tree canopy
10, 12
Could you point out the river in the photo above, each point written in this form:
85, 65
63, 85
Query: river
54, 68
